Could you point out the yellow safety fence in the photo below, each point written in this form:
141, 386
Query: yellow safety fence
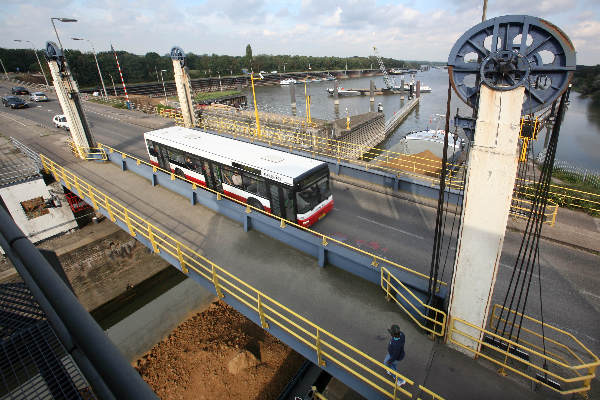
386, 160
87, 153
567, 365
564, 195
389, 161
434, 321
172, 114
325, 240
521, 208
328, 347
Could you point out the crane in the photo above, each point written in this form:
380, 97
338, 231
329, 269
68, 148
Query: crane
389, 82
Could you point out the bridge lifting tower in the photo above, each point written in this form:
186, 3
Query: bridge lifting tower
184, 87
506, 71
68, 97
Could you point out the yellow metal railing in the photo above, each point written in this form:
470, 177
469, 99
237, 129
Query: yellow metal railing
521, 208
403, 164
436, 318
299, 139
563, 361
328, 347
325, 240
87, 153
589, 201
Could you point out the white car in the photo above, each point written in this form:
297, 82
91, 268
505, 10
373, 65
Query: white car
60, 121
273, 72
38, 96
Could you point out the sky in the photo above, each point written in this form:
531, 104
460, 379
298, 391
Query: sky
403, 29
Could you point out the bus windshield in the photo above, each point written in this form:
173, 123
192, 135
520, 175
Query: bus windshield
313, 194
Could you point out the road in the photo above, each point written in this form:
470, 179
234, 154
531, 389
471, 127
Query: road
397, 229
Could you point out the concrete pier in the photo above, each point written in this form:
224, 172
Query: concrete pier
400, 116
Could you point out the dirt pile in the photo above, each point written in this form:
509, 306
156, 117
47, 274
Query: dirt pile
219, 354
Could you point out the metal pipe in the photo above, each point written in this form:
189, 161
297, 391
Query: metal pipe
123, 381
61, 331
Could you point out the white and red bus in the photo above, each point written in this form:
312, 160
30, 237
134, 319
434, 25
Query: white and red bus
287, 185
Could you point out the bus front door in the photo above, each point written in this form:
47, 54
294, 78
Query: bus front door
163, 158
212, 174
282, 202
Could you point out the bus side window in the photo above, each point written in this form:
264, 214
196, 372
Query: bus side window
249, 183
176, 156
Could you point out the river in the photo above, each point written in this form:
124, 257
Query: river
579, 141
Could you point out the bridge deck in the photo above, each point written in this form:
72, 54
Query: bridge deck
349, 307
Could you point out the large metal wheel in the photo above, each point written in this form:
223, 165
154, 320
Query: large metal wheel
178, 54
510, 51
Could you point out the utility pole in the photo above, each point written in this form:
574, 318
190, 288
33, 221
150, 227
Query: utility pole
122, 80
163, 83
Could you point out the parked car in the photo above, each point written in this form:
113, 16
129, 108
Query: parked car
19, 90
273, 72
60, 121
38, 96
14, 102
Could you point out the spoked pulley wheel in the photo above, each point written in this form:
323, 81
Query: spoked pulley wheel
510, 51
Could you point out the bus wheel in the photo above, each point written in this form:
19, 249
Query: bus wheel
254, 203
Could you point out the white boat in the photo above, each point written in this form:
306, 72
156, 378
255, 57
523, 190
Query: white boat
329, 77
288, 81
432, 140
344, 92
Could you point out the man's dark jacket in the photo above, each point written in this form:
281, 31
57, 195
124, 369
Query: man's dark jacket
396, 348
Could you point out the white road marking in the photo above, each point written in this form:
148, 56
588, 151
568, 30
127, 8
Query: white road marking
391, 227
18, 122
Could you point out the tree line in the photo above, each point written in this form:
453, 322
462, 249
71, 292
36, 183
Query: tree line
586, 80
147, 68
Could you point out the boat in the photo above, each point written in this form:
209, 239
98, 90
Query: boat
344, 92
431, 140
287, 81
329, 77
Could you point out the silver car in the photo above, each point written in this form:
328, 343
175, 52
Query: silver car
38, 96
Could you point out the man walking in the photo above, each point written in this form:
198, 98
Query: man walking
395, 351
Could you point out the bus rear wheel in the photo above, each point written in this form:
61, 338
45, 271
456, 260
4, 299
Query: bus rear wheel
254, 203
179, 173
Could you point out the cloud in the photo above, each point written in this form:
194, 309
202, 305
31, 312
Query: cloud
407, 29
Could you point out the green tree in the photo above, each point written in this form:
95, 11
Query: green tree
249, 56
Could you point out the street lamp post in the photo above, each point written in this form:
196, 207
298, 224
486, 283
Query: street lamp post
163, 82
97, 65
54, 26
36, 56
5, 73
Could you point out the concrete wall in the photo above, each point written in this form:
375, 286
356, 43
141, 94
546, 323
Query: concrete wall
56, 221
101, 270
